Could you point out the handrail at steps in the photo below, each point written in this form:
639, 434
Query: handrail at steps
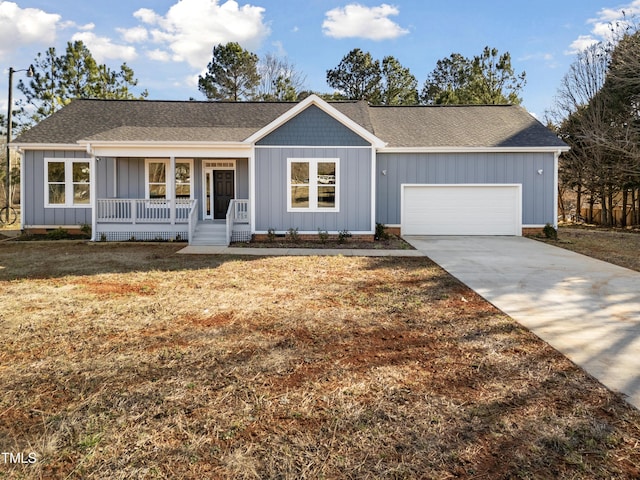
238, 212
193, 220
229, 219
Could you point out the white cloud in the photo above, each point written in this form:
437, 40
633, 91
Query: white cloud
147, 15
134, 35
606, 25
25, 26
159, 55
102, 48
356, 20
547, 57
191, 28
580, 44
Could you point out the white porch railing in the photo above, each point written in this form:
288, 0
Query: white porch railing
137, 210
237, 213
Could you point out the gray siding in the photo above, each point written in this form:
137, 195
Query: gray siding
355, 191
33, 210
313, 127
130, 173
537, 190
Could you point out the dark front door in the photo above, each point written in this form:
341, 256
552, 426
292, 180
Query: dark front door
222, 192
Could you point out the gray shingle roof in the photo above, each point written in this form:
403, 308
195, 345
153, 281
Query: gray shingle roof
461, 126
420, 126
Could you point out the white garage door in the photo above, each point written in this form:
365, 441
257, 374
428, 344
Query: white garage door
469, 209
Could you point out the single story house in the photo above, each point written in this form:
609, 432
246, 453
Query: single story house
215, 172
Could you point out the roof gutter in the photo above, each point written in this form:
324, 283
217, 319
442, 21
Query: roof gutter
550, 149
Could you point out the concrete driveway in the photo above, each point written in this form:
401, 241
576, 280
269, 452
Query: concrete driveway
587, 309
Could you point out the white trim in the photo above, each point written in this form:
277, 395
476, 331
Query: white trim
162, 150
533, 226
68, 182
314, 232
326, 108
518, 186
169, 179
47, 146
163, 143
313, 185
309, 147
53, 227
252, 191
22, 193
556, 150
92, 197
206, 168
373, 204
555, 190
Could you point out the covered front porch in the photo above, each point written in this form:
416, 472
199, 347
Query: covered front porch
201, 200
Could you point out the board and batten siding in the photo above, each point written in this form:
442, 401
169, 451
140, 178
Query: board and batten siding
314, 127
354, 184
33, 209
451, 168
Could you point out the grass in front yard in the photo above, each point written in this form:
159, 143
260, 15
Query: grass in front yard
129, 361
613, 246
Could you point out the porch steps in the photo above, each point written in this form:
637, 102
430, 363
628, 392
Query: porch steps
209, 233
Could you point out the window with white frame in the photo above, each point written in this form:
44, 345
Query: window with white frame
157, 175
313, 185
67, 182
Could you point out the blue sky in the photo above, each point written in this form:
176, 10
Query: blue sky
168, 42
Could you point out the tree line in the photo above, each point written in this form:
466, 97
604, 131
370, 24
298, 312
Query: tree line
236, 74
597, 113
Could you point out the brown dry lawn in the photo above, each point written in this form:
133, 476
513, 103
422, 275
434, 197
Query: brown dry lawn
129, 361
617, 247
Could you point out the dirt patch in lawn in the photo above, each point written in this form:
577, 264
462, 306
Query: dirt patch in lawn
283, 367
613, 246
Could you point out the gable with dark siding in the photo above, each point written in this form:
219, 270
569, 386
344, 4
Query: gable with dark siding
313, 127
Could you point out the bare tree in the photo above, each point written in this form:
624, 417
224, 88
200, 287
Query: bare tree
280, 80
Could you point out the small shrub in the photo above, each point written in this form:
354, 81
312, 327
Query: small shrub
323, 235
550, 232
58, 234
343, 236
86, 229
271, 235
381, 232
293, 235
103, 237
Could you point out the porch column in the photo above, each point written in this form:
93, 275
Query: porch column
171, 190
93, 191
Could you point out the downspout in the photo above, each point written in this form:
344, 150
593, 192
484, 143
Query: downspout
556, 155
374, 181
22, 195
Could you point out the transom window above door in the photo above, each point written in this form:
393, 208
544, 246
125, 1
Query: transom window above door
157, 173
313, 184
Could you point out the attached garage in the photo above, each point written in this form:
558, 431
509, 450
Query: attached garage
462, 209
